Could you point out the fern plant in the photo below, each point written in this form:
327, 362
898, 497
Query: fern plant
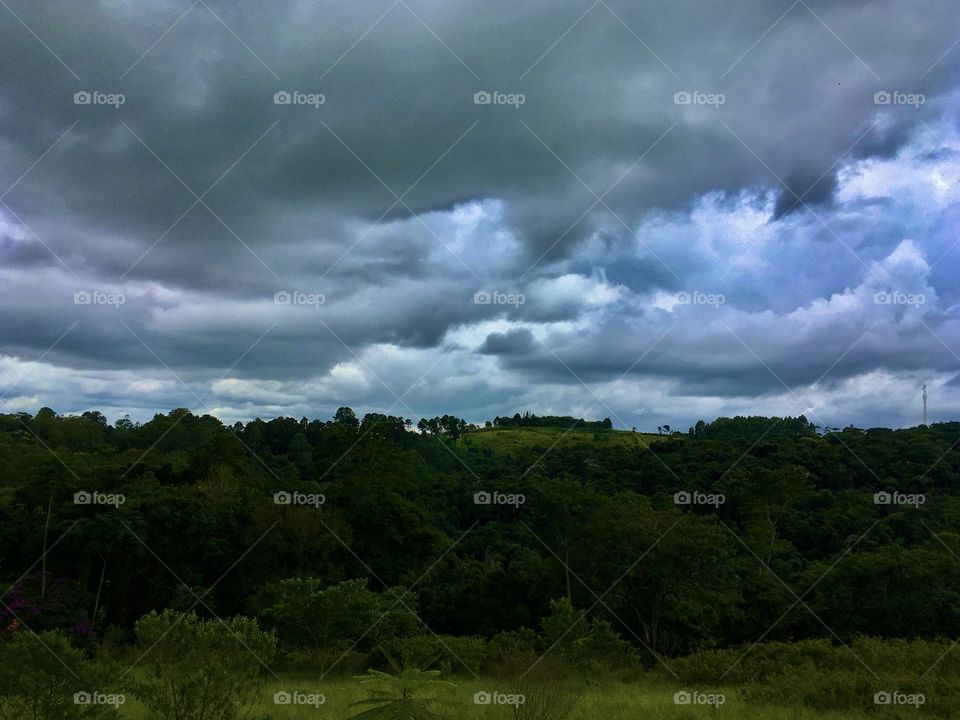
405, 694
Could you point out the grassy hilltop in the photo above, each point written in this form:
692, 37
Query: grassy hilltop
514, 439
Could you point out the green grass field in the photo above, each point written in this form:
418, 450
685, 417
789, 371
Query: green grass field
599, 701
512, 440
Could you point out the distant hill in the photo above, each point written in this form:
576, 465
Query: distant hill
512, 439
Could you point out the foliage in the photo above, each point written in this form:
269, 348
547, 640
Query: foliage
43, 678
201, 669
530, 420
588, 643
43, 601
599, 519
450, 654
405, 694
826, 676
329, 621
447, 425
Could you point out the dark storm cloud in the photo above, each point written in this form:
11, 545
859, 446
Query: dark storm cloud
515, 342
399, 99
804, 187
598, 156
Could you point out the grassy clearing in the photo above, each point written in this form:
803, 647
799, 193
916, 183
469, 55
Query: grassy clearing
512, 440
600, 701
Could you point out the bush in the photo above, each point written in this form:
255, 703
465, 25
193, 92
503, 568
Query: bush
42, 677
451, 655
421, 651
820, 675
305, 662
326, 622
201, 669
467, 654
589, 644
511, 642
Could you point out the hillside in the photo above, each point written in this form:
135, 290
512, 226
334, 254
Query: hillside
500, 540
543, 439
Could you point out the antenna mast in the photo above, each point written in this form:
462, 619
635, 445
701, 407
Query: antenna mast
924, 403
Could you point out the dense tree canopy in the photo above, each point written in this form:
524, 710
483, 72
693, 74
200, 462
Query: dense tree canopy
688, 542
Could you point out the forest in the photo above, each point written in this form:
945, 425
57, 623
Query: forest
745, 552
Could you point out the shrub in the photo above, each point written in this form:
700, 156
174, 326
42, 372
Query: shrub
511, 642
447, 653
42, 677
820, 675
466, 654
589, 644
421, 651
326, 622
201, 669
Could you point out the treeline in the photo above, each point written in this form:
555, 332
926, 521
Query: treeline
738, 427
693, 543
564, 421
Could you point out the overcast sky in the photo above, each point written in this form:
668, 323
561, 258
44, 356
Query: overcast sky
675, 209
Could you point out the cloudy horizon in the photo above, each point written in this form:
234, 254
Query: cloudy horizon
656, 214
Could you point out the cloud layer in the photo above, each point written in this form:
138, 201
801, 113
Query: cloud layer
670, 211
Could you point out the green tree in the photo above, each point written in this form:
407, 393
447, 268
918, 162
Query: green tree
347, 417
201, 669
327, 621
672, 574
